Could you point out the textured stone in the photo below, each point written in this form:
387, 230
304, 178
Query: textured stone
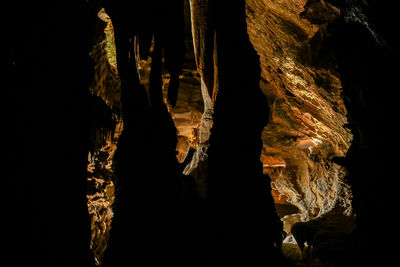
306, 129
106, 89
203, 32
308, 117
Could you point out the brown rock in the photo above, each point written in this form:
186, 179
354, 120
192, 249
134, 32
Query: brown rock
306, 128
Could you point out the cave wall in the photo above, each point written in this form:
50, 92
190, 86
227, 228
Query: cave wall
327, 69
239, 222
316, 62
307, 126
106, 127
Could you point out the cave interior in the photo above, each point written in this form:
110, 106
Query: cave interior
201, 133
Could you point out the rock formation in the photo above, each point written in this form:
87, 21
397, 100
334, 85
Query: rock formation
308, 117
277, 112
203, 19
106, 127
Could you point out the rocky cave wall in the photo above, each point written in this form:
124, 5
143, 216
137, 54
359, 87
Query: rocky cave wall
307, 126
365, 50
143, 114
106, 128
49, 71
306, 129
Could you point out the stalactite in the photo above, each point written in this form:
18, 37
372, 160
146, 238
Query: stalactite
203, 32
147, 181
307, 50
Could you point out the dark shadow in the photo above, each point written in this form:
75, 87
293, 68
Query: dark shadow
244, 228
147, 227
48, 74
365, 52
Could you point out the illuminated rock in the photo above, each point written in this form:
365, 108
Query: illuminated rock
308, 117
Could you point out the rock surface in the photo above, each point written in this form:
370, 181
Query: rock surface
326, 65
106, 129
308, 116
307, 122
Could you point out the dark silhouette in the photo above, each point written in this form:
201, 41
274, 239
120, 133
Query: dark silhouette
303, 232
146, 227
244, 224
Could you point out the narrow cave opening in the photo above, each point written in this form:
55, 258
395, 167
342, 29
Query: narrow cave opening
305, 131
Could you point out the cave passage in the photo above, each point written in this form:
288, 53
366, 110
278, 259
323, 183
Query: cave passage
200, 133
301, 117
192, 111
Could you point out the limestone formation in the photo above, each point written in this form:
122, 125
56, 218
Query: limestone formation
280, 113
307, 126
106, 129
203, 31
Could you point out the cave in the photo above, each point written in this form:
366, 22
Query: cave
200, 133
